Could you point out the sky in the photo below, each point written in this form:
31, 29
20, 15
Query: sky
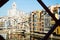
26, 5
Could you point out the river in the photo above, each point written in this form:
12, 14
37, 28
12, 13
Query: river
27, 37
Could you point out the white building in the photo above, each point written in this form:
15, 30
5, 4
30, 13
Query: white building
13, 11
17, 17
15, 20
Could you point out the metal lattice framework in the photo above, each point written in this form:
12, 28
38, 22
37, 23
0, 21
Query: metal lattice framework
2, 2
57, 22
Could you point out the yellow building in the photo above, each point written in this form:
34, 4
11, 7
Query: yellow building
54, 9
37, 22
1, 24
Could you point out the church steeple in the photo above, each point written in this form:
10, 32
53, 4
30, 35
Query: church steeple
14, 5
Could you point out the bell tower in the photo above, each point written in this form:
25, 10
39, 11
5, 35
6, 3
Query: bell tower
14, 5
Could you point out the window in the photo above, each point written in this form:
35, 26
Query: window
57, 31
35, 15
59, 10
42, 25
34, 24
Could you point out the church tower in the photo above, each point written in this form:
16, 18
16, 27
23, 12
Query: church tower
14, 5
13, 11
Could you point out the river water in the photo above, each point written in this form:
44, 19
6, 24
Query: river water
27, 37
